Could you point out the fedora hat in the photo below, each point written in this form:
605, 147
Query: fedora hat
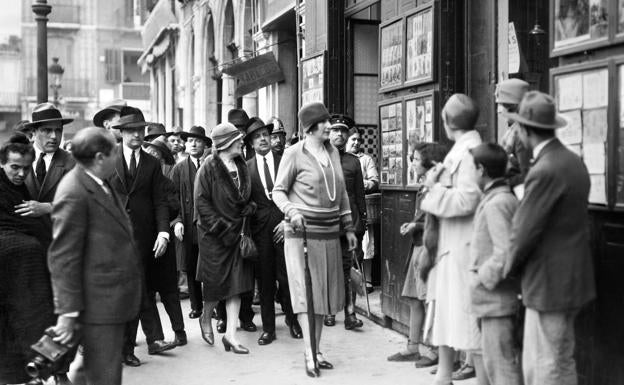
254, 125
224, 134
278, 126
511, 91
160, 145
312, 113
238, 117
154, 130
131, 118
113, 107
46, 113
196, 132
538, 109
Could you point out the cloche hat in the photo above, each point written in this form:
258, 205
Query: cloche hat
312, 113
511, 91
224, 134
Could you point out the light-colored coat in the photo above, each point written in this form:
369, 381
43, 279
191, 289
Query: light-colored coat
454, 200
493, 296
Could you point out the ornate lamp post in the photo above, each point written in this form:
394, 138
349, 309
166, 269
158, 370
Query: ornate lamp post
56, 72
41, 10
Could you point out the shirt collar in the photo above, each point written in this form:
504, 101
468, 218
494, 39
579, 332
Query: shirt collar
127, 151
268, 156
95, 178
538, 149
38, 152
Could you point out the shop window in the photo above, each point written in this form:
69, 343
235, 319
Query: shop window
112, 62
131, 71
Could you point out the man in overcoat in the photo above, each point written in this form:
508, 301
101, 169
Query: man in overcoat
138, 181
51, 162
183, 176
93, 259
267, 231
550, 245
341, 129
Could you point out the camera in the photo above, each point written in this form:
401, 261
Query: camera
50, 356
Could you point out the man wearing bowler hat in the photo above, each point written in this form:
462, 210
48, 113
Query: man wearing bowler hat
267, 231
550, 244
138, 180
183, 176
108, 116
51, 162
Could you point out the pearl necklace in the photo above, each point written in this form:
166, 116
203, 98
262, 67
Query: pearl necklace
331, 165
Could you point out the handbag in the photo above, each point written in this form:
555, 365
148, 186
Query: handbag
357, 281
248, 249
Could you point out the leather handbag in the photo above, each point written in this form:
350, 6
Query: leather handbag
357, 281
248, 249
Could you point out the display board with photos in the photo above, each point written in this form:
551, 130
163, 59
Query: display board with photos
418, 128
313, 79
391, 122
391, 48
419, 42
582, 98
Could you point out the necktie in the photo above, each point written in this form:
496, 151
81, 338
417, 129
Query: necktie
267, 177
133, 166
41, 168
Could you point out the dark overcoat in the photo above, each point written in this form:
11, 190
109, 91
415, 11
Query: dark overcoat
354, 182
62, 163
550, 233
219, 208
183, 177
267, 214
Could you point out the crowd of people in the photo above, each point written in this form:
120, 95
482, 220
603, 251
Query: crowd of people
498, 269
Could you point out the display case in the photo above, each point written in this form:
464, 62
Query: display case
313, 87
391, 58
392, 160
419, 47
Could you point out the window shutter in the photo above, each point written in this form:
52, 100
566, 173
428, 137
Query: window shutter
113, 65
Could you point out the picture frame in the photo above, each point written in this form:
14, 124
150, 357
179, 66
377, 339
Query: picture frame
419, 127
391, 143
391, 55
420, 45
313, 78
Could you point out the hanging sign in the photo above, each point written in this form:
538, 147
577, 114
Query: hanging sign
255, 73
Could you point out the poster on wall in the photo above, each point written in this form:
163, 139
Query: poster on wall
391, 66
579, 21
313, 79
419, 63
391, 117
418, 129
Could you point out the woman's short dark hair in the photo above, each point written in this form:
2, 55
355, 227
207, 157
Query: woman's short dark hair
89, 141
18, 143
430, 152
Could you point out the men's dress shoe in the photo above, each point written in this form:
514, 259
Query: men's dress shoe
266, 338
206, 330
61, 379
330, 320
249, 326
131, 360
238, 349
159, 346
221, 326
195, 314
401, 357
424, 362
322, 362
295, 330
351, 322
180, 338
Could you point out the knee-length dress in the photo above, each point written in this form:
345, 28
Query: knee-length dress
220, 204
303, 185
454, 200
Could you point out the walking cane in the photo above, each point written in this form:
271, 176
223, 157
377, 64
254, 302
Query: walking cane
359, 267
309, 299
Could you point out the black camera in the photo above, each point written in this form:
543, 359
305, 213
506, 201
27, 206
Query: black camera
50, 356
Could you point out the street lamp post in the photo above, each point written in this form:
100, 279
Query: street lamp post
56, 72
41, 10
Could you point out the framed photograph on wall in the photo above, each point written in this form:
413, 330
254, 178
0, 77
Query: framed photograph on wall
419, 57
391, 69
391, 143
313, 79
579, 25
418, 128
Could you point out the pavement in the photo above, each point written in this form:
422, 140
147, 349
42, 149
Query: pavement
359, 357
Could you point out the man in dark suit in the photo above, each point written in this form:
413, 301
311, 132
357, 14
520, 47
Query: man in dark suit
183, 176
342, 127
138, 181
268, 232
93, 259
51, 162
550, 245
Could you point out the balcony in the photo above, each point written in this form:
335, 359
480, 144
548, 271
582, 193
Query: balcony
135, 91
70, 88
9, 101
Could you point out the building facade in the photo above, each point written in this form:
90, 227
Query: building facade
10, 96
98, 43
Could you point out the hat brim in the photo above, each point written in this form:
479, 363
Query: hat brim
558, 123
269, 127
167, 155
186, 135
33, 125
154, 136
227, 144
133, 125
98, 118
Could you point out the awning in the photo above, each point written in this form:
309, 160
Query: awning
160, 17
255, 73
158, 47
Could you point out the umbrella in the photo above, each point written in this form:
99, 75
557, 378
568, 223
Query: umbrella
309, 298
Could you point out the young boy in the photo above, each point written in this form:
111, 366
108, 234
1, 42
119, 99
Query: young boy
494, 299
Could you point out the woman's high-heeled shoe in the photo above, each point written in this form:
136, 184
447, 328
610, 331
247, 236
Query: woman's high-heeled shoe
238, 349
311, 369
206, 332
322, 362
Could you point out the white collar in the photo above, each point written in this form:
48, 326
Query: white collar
38, 152
268, 156
127, 152
538, 149
95, 178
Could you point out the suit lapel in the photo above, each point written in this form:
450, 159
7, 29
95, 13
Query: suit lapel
276, 161
32, 184
120, 168
140, 170
54, 174
111, 204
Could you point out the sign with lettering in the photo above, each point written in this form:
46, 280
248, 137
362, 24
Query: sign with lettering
255, 73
